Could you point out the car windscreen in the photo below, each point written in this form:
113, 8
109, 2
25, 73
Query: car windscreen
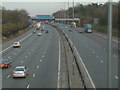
19, 69
3, 61
15, 43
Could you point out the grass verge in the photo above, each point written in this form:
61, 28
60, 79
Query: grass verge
103, 29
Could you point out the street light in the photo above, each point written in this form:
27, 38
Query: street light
68, 12
73, 10
109, 54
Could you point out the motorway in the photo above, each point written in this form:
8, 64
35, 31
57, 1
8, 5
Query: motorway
92, 48
39, 54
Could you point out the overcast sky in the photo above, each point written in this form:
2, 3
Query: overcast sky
57, 0
35, 7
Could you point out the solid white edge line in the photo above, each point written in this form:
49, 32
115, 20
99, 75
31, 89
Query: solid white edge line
59, 63
71, 42
6, 49
19, 41
25, 37
85, 68
106, 37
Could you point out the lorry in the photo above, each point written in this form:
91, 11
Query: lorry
87, 28
73, 24
37, 26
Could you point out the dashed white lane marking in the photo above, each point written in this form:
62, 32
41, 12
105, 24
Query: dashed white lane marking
37, 66
33, 75
9, 57
29, 53
104, 48
43, 56
44, 52
97, 56
101, 61
26, 56
93, 52
21, 61
115, 56
14, 53
8, 76
28, 86
116, 77
89, 49
40, 60
45, 49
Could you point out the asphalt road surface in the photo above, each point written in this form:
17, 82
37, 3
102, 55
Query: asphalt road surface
39, 54
92, 48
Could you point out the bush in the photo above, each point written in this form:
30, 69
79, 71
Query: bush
104, 29
11, 29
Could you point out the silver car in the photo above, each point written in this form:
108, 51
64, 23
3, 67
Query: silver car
16, 44
39, 34
20, 71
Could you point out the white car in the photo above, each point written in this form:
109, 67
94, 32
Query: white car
20, 71
16, 44
39, 34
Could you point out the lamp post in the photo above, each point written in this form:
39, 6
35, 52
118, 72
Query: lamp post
73, 10
109, 38
68, 12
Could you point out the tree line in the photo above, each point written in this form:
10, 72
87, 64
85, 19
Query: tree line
13, 21
87, 13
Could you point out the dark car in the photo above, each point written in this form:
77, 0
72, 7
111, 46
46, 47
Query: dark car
5, 63
42, 29
46, 31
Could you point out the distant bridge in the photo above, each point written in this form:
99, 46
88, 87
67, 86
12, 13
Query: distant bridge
52, 18
77, 20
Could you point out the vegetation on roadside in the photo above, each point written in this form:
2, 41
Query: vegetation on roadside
103, 29
14, 21
87, 14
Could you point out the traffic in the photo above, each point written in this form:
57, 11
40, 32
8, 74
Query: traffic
22, 71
